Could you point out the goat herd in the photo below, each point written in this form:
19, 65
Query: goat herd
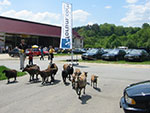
78, 78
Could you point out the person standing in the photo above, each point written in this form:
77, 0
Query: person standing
22, 48
42, 54
31, 57
51, 53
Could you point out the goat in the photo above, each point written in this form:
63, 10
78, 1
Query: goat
81, 83
54, 69
50, 71
69, 69
10, 74
74, 76
32, 70
94, 80
44, 74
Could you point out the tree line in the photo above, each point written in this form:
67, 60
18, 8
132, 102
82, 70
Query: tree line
112, 36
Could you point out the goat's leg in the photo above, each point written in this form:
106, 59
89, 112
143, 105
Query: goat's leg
43, 80
64, 80
96, 84
37, 77
30, 78
79, 93
52, 78
69, 77
8, 81
33, 77
84, 91
46, 79
14, 78
73, 85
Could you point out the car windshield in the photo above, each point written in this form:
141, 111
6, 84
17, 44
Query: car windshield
114, 51
135, 52
93, 51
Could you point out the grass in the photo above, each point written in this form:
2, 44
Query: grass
2, 75
116, 62
62, 54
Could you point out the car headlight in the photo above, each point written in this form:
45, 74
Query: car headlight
129, 100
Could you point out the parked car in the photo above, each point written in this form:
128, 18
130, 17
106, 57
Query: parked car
92, 54
107, 50
115, 54
36, 51
136, 98
137, 55
79, 51
45, 52
14, 52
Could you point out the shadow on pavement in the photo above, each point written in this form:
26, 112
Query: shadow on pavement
51, 83
85, 98
12, 82
33, 82
97, 89
67, 84
81, 66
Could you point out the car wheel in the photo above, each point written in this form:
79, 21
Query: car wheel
117, 58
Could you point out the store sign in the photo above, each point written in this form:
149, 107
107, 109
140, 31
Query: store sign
66, 30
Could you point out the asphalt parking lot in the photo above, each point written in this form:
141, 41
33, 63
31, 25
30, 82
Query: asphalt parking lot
25, 97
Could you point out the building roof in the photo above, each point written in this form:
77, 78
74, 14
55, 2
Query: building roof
17, 26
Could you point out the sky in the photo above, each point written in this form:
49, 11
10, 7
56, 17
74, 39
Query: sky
85, 12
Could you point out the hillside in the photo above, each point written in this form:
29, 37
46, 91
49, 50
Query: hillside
111, 36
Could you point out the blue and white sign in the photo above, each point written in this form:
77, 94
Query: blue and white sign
66, 30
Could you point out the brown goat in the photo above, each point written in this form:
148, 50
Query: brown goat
81, 83
74, 76
54, 69
32, 70
44, 74
49, 72
94, 80
10, 74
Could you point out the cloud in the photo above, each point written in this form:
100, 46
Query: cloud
43, 17
137, 14
108, 7
80, 15
131, 1
5, 3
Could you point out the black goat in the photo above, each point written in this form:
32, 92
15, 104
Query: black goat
69, 69
10, 74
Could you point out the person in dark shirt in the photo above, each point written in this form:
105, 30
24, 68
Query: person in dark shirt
22, 48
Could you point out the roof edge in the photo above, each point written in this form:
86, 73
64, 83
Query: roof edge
10, 18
